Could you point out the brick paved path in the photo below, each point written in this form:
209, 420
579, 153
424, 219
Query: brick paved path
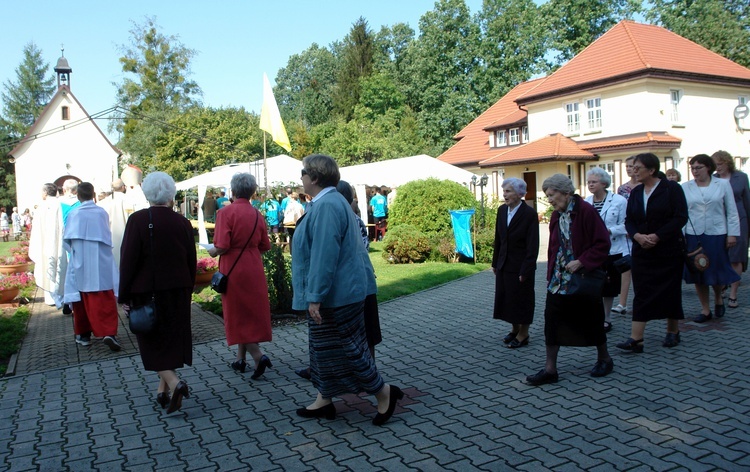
466, 406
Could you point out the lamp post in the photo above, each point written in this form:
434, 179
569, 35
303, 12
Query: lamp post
481, 182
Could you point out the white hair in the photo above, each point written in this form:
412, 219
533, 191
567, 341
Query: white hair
159, 188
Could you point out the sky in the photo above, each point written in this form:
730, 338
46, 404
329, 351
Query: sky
236, 41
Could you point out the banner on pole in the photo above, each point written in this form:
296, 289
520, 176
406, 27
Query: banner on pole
461, 221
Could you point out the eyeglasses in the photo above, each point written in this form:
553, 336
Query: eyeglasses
304, 173
696, 168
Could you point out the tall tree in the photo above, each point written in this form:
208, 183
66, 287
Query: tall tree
574, 24
722, 26
356, 63
304, 87
24, 99
443, 71
159, 89
513, 45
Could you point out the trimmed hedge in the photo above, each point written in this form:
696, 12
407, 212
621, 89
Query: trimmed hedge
405, 244
425, 204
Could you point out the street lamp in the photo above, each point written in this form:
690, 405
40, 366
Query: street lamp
481, 182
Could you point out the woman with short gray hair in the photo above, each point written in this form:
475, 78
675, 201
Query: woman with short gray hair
578, 241
240, 238
514, 262
158, 258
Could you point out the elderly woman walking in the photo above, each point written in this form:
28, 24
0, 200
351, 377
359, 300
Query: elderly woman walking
158, 257
331, 276
514, 262
611, 208
578, 243
240, 238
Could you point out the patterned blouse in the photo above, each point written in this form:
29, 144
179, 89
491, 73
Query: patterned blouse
560, 277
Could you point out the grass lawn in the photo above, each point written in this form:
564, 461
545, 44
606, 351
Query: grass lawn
396, 280
5, 247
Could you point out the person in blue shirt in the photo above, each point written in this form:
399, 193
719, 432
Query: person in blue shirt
379, 207
222, 201
271, 210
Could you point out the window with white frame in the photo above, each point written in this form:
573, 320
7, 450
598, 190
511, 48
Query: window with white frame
675, 96
514, 136
594, 113
501, 139
525, 134
573, 118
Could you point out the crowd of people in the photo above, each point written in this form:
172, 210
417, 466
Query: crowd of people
649, 231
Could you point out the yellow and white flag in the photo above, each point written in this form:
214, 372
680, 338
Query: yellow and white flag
270, 119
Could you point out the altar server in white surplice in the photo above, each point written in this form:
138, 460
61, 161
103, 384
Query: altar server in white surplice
116, 206
46, 249
92, 279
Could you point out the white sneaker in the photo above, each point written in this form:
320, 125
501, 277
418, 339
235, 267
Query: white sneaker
112, 343
619, 309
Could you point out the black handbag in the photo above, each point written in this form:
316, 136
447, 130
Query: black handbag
142, 319
219, 281
588, 284
623, 264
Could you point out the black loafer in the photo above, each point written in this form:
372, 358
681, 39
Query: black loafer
602, 368
703, 318
541, 378
719, 310
304, 373
515, 344
607, 326
328, 412
671, 340
631, 345
509, 337
240, 365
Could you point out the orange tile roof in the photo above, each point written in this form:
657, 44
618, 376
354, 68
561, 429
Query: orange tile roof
554, 147
473, 140
648, 139
630, 50
515, 117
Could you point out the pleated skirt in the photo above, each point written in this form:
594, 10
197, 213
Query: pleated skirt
340, 361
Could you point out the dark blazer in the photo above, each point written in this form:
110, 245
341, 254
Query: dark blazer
588, 234
666, 216
174, 255
517, 245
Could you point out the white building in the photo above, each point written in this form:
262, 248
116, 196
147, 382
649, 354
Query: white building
638, 88
63, 143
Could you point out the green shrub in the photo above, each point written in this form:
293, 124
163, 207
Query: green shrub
443, 247
279, 278
484, 245
426, 204
209, 300
404, 244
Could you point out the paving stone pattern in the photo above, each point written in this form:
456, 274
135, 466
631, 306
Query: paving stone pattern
466, 406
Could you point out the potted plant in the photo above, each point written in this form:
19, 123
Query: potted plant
14, 264
21, 250
11, 284
205, 269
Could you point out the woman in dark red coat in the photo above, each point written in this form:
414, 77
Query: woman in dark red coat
578, 240
165, 266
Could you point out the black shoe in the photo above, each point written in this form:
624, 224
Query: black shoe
509, 337
719, 310
515, 344
631, 345
67, 310
671, 340
541, 378
239, 365
602, 368
703, 318
264, 362
181, 390
607, 326
304, 373
83, 339
328, 412
162, 398
396, 395
112, 343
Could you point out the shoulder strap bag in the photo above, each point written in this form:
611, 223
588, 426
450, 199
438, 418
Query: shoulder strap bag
142, 319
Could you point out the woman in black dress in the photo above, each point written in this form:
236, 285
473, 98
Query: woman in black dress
163, 264
656, 213
514, 262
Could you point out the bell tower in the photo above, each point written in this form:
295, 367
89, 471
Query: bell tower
63, 70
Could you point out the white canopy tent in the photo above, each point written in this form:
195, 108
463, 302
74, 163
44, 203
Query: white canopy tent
396, 172
281, 169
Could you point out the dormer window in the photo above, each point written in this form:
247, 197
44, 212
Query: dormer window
514, 136
65, 113
525, 133
501, 139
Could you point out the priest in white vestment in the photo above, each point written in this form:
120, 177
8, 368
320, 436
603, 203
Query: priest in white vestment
92, 279
116, 206
46, 248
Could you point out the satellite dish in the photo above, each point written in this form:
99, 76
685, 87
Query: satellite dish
741, 111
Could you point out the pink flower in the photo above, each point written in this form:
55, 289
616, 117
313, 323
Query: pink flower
207, 264
15, 260
16, 280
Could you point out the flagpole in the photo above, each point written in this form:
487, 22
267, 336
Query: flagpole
265, 170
